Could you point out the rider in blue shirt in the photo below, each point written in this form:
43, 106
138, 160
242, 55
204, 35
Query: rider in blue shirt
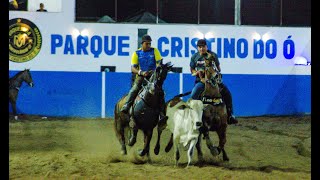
144, 60
196, 65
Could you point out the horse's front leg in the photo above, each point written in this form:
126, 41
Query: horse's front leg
157, 147
14, 109
133, 137
13, 95
147, 139
170, 143
213, 149
222, 141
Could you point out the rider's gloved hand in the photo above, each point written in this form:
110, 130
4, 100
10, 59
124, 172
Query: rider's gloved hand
143, 73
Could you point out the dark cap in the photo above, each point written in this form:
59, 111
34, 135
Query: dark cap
201, 42
146, 37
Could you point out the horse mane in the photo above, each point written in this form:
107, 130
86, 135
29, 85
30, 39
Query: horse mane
16, 75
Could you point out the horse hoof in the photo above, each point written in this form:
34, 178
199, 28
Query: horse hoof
200, 159
123, 149
141, 152
168, 148
214, 151
132, 141
156, 151
123, 152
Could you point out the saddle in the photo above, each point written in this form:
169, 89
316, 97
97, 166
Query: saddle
213, 101
140, 105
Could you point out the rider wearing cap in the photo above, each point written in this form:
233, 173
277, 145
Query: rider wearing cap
197, 66
144, 60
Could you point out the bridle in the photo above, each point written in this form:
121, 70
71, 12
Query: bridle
213, 70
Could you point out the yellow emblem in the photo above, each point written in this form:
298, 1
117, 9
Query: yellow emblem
24, 40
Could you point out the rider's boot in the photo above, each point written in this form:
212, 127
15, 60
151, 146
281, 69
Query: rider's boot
133, 137
227, 98
125, 113
231, 118
130, 98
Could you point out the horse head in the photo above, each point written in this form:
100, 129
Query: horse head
162, 72
158, 77
211, 71
26, 76
211, 78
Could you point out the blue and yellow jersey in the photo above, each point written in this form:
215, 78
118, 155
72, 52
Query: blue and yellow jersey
147, 60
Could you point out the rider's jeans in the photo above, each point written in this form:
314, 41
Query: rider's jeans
197, 90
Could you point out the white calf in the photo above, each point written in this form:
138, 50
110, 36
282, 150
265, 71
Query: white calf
184, 122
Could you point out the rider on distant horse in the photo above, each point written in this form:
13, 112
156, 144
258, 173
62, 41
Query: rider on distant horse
144, 60
197, 66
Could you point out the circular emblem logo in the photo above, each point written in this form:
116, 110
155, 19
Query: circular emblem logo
24, 40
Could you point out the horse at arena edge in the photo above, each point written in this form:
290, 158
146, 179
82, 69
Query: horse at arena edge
15, 84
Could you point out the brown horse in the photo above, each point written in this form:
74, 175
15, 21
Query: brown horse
145, 110
215, 115
15, 83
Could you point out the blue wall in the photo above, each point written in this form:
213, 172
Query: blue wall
78, 94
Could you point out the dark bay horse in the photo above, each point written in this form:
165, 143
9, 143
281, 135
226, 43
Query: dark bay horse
215, 115
145, 110
15, 83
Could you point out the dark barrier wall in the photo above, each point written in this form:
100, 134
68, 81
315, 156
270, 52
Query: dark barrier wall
79, 94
